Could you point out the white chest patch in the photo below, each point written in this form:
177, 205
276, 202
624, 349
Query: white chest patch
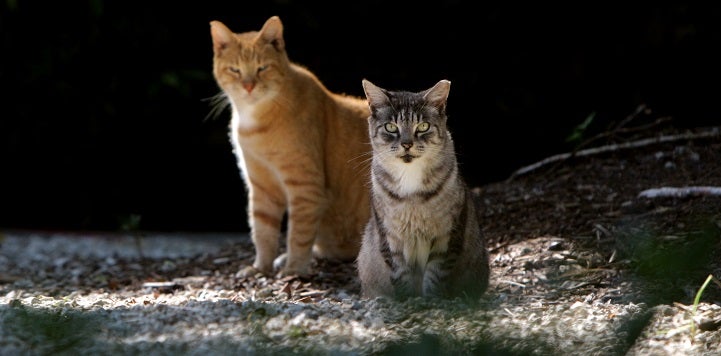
240, 120
409, 176
243, 119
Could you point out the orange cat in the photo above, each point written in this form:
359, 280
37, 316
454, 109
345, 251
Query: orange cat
298, 147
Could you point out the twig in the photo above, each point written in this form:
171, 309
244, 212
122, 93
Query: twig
514, 283
713, 132
623, 130
679, 192
639, 109
620, 129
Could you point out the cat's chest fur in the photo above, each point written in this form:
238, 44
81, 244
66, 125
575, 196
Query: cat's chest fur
407, 178
418, 227
254, 134
249, 137
419, 230
243, 119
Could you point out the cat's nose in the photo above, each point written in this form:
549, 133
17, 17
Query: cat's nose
407, 145
249, 85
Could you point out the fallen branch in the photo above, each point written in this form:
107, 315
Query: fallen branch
679, 192
713, 132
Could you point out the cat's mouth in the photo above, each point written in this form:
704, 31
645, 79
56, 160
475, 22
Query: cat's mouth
407, 158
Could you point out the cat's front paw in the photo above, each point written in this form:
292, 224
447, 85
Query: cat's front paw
298, 272
248, 271
279, 262
285, 267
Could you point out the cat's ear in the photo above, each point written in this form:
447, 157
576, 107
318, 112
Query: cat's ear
272, 32
375, 95
438, 95
221, 34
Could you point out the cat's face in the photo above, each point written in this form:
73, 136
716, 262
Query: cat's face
249, 66
407, 127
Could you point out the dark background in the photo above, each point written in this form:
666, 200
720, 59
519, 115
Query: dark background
104, 105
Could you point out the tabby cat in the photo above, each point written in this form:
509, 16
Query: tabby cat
297, 145
423, 237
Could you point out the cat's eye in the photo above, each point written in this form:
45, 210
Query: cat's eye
423, 127
391, 127
262, 68
234, 70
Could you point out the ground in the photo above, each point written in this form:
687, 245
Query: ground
584, 256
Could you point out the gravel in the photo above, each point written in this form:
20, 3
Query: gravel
176, 294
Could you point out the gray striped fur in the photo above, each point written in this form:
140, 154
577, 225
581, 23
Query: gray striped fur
423, 237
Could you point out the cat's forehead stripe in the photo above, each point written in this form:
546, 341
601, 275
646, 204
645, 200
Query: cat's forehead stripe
248, 54
407, 115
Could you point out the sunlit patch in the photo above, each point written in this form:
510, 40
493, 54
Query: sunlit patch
243, 119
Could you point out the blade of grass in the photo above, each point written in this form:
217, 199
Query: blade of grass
697, 300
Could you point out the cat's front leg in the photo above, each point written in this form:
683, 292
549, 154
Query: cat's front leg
265, 238
304, 215
405, 282
433, 279
265, 212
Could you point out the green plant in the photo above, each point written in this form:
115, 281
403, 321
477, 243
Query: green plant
578, 132
697, 299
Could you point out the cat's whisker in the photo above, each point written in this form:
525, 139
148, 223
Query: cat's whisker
363, 163
384, 156
365, 156
362, 155
218, 103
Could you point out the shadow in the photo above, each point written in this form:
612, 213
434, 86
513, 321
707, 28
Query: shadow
438, 328
49, 332
630, 330
128, 331
433, 345
205, 328
666, 264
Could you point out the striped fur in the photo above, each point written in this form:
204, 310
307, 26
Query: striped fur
423, 237
298, 147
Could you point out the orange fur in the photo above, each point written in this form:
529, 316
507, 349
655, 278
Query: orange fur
300, 148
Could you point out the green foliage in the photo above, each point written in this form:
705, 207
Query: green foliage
578, 132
